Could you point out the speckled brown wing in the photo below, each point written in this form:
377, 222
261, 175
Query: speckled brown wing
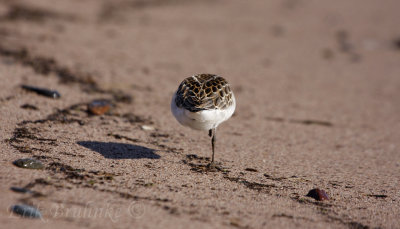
204, 92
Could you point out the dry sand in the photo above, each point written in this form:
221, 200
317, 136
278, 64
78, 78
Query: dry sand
318, 92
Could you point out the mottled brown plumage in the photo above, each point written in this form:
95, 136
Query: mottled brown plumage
204, 92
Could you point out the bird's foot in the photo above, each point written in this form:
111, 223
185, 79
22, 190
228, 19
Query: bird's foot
211, 165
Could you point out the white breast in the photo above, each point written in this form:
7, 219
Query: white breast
202, 120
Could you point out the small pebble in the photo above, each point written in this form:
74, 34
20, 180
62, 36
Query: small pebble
378, 196
28, 163
42, 91
99, 107
146, 127
26, 211
20, 190
29, 107
318, 194
251, 170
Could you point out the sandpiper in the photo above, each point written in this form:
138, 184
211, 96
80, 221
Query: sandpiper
202, 102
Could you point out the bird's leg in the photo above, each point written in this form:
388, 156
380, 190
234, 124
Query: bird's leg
213, 141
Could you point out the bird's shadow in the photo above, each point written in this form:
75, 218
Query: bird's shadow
114, 150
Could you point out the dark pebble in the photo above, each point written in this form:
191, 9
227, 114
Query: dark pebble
26, 211
99, 107
318, 194
26, 191
20, 190
28, 163
29, 107
42, 91
251, 170
378, 196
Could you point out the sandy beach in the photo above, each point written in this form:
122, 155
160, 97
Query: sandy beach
317, 86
